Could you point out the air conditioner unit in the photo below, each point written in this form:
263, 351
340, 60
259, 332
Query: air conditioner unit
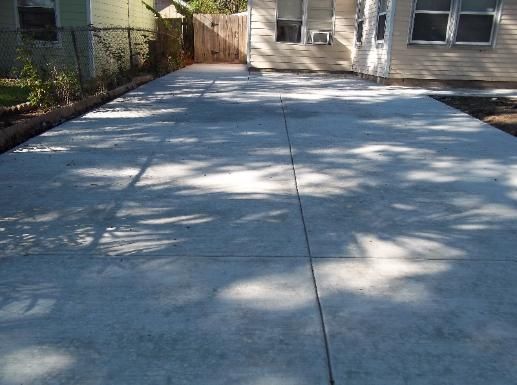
320, 37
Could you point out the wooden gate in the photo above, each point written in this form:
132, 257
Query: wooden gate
220, 38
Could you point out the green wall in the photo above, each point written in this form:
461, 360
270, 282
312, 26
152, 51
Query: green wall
114, 13
73, 13
7, 19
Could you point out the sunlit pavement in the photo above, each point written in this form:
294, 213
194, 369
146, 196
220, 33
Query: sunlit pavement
215, 227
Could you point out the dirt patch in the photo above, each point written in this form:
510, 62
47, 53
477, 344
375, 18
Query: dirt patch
11, 119
499, 112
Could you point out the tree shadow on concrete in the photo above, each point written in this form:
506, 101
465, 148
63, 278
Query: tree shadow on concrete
410, 206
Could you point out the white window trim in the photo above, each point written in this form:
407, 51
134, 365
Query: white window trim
495, 17
304, 20
415, 12
452, 26
43, 43
379, 14
360, 4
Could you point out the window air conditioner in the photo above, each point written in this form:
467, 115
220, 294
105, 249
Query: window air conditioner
320, 37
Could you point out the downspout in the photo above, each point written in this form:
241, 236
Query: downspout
89, 22
389, 45
250, 12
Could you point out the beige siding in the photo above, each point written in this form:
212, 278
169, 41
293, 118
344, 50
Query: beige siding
114, 13
167, 10
486, 64
266, 53
371, 57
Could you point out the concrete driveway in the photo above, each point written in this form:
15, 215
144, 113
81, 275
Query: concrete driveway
217, 228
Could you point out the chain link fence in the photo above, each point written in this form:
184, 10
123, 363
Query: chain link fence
91, 59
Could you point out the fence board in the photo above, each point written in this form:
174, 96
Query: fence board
220, 38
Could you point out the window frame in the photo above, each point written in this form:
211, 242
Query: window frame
42, 43
284, 19
431, 42
304, 30
361, 5
452, 27
379, 14
495, 18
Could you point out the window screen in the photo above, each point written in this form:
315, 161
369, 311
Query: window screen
320, 14
431, 21
39, 16
360, 21
433, 5
476, 21
289, 31
298, 21
290, 9
479, 5
289, 21
381, 19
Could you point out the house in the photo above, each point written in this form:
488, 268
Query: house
167, 10
30, 14
389, 40
51, 21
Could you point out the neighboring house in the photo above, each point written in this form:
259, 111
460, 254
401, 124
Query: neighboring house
27, 14
167, 10
54, 14
471, 40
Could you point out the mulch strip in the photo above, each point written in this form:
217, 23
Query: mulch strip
500, 112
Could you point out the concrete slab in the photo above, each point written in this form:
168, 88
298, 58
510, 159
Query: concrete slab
194, 163
159, 239
389, 175
403, 321
126, 321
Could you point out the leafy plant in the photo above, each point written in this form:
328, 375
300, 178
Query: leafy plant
218, 6
32, 79
48, 84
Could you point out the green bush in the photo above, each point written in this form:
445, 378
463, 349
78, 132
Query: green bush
48, 84
218, 6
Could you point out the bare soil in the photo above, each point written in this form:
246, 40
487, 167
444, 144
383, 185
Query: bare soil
10, 119
500, 112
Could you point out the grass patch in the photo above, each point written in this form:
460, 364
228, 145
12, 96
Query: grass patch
11, 93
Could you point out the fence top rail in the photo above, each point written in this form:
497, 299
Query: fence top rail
90, 28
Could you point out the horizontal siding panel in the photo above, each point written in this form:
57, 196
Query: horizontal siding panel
460, 63
370, 58
293, 56
301, 60
300, 67
279, 48
265, 52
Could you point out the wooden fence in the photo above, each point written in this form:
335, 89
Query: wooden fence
220, 38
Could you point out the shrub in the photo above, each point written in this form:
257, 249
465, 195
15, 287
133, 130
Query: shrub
49, 84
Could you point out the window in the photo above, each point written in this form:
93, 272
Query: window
40, 16
360, 22
289, 21
458, 22
307, 22
431, 21
381, 20
476, 21
320, 21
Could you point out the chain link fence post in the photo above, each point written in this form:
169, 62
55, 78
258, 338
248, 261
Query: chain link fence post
78, 62
130, 49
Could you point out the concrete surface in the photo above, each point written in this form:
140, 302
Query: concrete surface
160, 239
